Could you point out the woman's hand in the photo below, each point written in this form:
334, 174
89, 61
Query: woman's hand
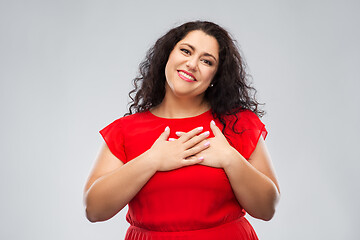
176, 153
219, 151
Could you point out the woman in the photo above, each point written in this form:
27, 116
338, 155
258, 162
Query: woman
189, 158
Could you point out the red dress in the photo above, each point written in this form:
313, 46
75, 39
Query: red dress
194, 202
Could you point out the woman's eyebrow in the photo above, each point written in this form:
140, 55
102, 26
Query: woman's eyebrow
193, 48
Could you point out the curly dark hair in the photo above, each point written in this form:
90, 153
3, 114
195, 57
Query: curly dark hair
231, 91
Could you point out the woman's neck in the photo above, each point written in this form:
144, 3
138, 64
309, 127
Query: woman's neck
180, 108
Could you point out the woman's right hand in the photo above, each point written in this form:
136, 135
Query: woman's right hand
172, 154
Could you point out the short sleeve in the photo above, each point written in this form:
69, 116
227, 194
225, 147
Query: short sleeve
113, 137
250, 128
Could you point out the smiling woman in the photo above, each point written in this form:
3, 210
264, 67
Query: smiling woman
191, 66
189, 158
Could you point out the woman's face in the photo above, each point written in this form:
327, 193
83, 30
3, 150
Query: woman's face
191, 66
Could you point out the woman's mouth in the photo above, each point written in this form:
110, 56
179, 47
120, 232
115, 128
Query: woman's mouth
186, 76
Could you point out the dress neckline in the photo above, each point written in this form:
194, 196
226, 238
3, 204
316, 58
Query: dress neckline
193, 117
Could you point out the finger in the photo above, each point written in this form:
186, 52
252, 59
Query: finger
203, 142
192, 160
165, 135
196, 139
216, 131
179, 134
186, 136
196, 149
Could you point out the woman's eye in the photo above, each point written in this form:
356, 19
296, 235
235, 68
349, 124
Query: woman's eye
185, 51
207, 62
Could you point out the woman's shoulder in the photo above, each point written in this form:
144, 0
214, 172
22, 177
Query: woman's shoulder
244, 120
242, 115
133, 117
128, 120
246, 129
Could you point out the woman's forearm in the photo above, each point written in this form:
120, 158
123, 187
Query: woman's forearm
110, 193
256, 192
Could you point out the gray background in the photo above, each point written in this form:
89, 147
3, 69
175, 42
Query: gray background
66, 68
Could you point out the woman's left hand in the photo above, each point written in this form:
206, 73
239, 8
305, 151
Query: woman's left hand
219, 151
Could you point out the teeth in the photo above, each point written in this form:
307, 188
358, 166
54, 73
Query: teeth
186, 75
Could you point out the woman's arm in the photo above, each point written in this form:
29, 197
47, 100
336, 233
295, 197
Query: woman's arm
112, 184
253, 182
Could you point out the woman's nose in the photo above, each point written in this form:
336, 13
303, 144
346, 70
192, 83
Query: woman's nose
192, 63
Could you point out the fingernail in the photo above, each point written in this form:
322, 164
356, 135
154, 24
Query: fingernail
212, 122
178, 134
171, 139
201, 158
167, 129
207, 133
207, 144
200, 129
